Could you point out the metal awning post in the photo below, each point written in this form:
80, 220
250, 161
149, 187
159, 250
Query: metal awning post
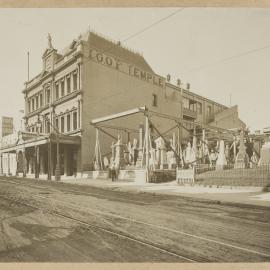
98, 157
203, 140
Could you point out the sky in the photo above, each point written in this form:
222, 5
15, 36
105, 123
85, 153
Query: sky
224, 53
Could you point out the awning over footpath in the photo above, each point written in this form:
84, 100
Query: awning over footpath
23, 140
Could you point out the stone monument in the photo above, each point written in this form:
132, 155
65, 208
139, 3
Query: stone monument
241, 160
130, 154
265, 154
189, 155
119, 154
140, 149
171, 159
254, 160
161, 153
221, 159
134, 151
227, 153
126, 154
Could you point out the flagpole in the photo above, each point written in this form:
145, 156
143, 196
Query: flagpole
27, 66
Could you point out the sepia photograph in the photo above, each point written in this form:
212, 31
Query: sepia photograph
135, 135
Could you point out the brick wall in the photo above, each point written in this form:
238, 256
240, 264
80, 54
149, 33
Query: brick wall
107, 91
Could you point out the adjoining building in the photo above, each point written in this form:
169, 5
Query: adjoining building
6, 126
91, 78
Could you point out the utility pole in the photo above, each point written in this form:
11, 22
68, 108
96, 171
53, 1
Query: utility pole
27, 66
57, 167
49, 158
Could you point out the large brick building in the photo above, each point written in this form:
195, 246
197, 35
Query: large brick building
91, 78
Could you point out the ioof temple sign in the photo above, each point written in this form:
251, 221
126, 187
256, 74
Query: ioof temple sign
131, 70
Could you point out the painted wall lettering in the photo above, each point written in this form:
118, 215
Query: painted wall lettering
134, 71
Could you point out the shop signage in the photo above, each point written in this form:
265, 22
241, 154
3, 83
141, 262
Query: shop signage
121, 66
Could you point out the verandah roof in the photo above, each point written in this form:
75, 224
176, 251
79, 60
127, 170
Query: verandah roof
41, 140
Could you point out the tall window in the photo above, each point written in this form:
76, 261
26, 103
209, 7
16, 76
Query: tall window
56, 91
209, 110
75, 81
47, 123
57, 124
68, 84
41, 100
199, 107
68, 122
33, 104
192, 105
48, 127
48, 93
75, 124
62, 88
154, 100
62, 124
29, 106
37, 102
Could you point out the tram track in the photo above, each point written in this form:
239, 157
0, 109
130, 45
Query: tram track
131, 220
102, 196
75, 192
100, 228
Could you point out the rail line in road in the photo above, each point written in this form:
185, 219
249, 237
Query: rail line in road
74, 191
109, 231
144, 223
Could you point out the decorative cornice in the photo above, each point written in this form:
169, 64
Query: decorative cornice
51, 73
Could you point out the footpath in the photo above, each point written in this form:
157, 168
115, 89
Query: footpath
253, 196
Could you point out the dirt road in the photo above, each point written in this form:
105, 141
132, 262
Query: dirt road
55, 222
